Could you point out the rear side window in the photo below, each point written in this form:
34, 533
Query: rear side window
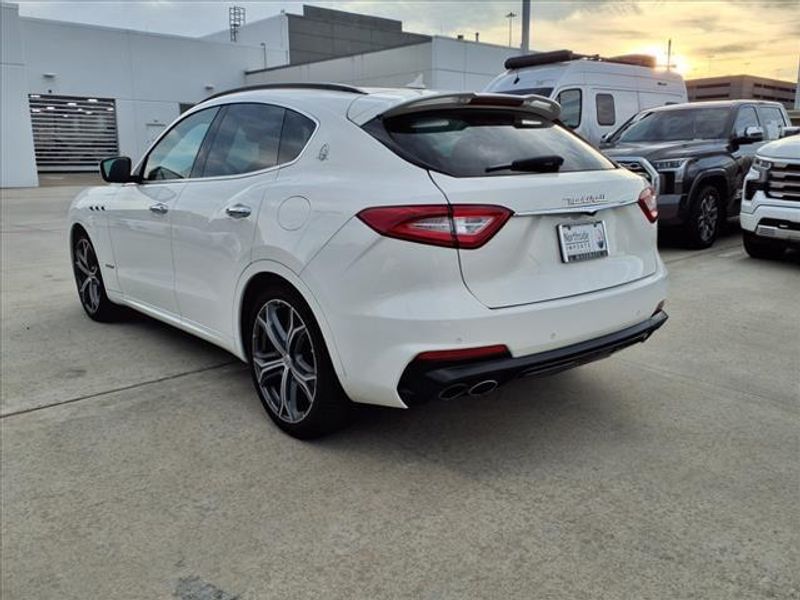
479, 143
570, 101
606, 114
297, 129
248, 139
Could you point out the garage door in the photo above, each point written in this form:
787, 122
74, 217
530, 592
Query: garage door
72, 133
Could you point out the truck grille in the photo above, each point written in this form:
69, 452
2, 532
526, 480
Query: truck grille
783, 181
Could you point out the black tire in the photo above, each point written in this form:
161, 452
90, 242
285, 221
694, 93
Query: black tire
705, 217
287, 396
758, 247
89, 281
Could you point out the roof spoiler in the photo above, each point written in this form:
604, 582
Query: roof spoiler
544, 107
556, 56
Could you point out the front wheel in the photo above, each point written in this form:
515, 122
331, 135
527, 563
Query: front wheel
291, 367
89, 279
758, 247
705, 217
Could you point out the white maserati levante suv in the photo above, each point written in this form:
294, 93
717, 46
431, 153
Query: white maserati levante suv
375, 245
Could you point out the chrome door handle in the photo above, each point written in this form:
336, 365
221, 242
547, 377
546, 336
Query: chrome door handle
238, 211
159, 208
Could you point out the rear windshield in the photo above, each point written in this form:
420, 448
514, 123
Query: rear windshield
480, 143
540, 91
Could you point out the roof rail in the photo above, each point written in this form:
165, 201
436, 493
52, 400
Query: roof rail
331, 87
556, 56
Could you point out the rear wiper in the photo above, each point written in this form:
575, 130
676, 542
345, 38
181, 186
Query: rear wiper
538, 164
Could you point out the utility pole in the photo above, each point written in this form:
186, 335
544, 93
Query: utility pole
797, 89
669, 55
526, 26
510, 16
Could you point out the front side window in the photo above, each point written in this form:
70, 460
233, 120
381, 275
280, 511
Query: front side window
606, 114
774, 123
248, 139
174, 155
480, 143
570, 101
746, 118
678, 124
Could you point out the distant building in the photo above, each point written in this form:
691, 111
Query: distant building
741, 87
74, 93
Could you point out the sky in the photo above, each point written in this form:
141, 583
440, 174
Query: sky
709, 37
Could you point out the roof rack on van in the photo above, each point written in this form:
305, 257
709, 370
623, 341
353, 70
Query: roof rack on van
556, 56
330, 87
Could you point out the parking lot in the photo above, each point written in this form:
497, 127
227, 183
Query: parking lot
138, 463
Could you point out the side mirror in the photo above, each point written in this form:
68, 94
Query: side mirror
751, 135
788, 131
116, 170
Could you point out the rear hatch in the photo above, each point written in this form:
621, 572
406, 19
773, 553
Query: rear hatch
577, 226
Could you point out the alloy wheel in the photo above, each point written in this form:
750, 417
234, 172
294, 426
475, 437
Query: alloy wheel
284, 361
707, 217
87, 274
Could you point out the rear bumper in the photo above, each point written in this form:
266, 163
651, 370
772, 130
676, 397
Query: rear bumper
422, 381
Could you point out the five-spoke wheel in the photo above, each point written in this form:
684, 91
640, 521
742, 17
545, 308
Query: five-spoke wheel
87, 275
284, 361
89, 280
291, 367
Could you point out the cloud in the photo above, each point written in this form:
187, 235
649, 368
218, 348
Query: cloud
735, 48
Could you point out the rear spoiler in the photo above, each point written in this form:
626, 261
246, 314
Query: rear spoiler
539, 105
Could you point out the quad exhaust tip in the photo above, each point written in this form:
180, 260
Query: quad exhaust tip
454, 391
459, 389
483, 387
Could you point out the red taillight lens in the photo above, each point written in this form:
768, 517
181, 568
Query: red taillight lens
465, 353
648, 203
457, 226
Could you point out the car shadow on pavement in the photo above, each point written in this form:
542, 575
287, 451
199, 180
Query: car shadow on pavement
526, 423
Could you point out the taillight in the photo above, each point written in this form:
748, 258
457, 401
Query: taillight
458, 226
648, 203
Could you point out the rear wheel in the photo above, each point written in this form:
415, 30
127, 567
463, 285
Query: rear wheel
89, 279
705, 217
758, 247
291, 367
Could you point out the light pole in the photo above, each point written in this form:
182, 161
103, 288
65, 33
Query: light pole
510, 16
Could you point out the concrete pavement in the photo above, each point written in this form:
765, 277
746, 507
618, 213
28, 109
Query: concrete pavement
138, 463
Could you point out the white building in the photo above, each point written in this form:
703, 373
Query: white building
73, 93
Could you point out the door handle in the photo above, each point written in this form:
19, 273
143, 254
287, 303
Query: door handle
159, 208
238, 211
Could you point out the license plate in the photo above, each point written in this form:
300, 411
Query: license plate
582, 241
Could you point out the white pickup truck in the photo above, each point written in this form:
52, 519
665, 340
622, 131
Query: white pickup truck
770, 213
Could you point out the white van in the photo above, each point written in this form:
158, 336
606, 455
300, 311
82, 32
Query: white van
596, 94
